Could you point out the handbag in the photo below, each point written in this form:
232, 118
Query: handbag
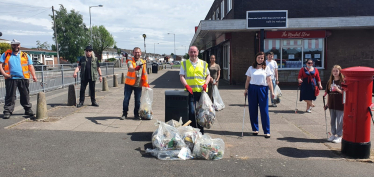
316, 90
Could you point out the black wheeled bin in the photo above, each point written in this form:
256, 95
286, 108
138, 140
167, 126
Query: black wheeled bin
154, 68
176, 105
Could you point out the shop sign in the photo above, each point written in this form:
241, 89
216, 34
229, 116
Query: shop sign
295, 34
267, 19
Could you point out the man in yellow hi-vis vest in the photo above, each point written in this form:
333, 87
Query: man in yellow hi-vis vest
195, 76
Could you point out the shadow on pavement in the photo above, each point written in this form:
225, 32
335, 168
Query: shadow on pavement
239, 134
302, 140
141, 136
286, 111
55, 105
169, 79
142, 152
240, 105
304, 153
95, 119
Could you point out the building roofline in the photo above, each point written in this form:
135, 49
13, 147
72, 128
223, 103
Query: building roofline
207, 27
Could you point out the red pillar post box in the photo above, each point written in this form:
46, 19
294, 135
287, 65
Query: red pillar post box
357, 98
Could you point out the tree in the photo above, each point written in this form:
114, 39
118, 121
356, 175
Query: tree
53, 47
118, 50
4, 47
186, 56
45, 45
101, 40
71, 34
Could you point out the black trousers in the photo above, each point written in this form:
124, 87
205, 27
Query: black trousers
11, 86
83, 90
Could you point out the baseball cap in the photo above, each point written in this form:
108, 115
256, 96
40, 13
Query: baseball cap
15, 41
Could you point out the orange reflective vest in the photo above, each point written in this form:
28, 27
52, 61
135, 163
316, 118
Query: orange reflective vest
131, 76
24, 64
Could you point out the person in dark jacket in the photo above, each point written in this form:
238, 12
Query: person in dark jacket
90, 71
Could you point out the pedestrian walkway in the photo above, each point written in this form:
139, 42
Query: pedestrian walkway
300, 135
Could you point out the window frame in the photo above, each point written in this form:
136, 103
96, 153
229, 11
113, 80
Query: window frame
229, 6
222, 9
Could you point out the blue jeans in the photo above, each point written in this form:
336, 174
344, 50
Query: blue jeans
192, 116
273, 81
126, 100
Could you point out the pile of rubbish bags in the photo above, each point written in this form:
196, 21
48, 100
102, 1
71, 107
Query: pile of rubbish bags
172, 141
217, 103
277, 94
145, 111
205, 113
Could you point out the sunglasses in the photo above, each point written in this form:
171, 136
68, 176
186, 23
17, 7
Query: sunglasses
310, 63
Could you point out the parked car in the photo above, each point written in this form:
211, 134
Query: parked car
177, 63
39, 66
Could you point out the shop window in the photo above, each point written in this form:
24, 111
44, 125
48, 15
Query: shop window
293, 53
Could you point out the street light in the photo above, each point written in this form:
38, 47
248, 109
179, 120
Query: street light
90, 22
174, 43
145, 50
184, 49
154, 49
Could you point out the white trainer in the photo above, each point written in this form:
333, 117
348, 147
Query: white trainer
337, 140
309, 110
332, 137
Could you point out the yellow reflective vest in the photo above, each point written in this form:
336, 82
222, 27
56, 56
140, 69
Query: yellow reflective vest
195, 77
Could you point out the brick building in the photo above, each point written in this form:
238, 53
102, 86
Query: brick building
329, 32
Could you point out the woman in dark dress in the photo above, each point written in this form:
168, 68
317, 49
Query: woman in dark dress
309, 78
214, 70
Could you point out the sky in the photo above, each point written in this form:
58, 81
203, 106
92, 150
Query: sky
29, 21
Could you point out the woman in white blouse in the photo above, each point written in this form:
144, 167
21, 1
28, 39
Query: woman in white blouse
256, 87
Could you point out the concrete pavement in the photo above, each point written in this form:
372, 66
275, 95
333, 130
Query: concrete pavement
294, 137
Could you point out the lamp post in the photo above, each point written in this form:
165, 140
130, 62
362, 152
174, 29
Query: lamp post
154, 49
54, 23
90, 23
145, 50
174, 43
185, 50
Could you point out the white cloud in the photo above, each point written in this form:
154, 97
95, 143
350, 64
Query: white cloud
125, 20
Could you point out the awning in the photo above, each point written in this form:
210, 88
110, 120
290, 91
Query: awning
209, 30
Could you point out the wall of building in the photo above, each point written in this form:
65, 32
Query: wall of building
349, 48
242, 55
302, 9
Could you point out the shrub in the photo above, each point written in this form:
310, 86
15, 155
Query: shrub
111, 60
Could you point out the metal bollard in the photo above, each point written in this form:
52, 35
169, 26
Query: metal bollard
123, 78
41, 106
115, 82
105, 84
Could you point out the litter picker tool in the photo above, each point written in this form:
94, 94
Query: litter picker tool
245, 102
297, 97
324, 107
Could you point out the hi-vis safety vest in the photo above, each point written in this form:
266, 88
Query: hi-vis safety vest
131, 76
24, 64
195, 77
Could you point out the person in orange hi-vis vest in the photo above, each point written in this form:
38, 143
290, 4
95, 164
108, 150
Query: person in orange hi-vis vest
16, 67
136, 78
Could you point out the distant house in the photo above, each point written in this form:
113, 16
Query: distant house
47, 57
110, 53
4, 41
